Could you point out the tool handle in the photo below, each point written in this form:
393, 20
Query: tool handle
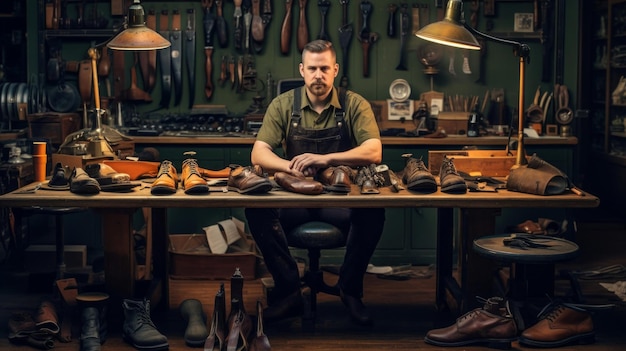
303, 30
208, 88
285, 30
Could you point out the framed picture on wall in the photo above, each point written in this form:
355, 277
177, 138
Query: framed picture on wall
398, 110
524, 22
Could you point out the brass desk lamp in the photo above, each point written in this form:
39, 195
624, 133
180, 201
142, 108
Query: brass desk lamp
136, 36
453, 31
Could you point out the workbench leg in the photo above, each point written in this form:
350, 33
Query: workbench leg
119, 253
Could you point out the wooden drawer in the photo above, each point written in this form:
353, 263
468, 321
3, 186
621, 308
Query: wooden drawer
53, 126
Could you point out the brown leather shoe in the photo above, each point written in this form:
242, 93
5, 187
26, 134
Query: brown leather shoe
105, 174
247, 180
417, 177
82, 183
493, 324
563, 324
192, 181
336, 179
297, 184
166, 181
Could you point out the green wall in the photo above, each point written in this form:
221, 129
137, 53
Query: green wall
501, 65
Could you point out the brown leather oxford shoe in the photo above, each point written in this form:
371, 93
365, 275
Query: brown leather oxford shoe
493, 324
563, 324
247, 180
298, 185
336, 179
190, 178
166, 181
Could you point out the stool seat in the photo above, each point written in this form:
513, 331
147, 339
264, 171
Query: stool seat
553, 249
316, 235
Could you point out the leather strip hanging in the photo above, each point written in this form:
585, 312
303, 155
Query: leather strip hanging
165, 61
285, 30
190, 54
303, 28
209, 27
176, 51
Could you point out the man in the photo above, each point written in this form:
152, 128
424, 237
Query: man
354, 141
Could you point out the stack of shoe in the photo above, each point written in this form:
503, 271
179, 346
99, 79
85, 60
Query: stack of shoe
248, 180
417, 177
451, 181
336, 179
560, 324
492, 324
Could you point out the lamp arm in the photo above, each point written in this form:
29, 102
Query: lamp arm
521, 50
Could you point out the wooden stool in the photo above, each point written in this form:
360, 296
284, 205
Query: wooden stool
531, 260
314, 237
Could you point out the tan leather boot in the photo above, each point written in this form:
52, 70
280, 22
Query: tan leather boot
166, 181
192, 181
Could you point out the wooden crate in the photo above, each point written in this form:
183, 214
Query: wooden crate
490, 163
53, 126
205, 290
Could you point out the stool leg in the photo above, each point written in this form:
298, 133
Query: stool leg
314, 277
60, 247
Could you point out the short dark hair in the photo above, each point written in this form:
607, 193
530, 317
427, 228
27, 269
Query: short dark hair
319, 46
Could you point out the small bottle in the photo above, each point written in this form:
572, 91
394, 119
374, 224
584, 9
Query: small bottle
473, 123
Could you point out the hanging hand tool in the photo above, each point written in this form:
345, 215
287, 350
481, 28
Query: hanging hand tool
190, 53
257, 22
232, 74
366, 37
209, 28
285, 30
345, 37
165, 61
246, 7
324, 6
220, 24
391, 21
415, 18
303, 28
223, 70
177, 47
238, 32
240, 74
404, 33
267, 14
147, 59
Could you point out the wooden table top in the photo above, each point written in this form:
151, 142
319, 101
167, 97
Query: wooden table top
141, 197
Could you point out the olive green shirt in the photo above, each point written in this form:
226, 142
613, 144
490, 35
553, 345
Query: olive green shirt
359, 117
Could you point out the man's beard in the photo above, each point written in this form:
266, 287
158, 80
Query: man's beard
318, 88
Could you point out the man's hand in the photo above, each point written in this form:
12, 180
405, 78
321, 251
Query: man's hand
308, 163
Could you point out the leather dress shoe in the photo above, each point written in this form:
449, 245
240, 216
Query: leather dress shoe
60, 177
105, 174
299, 185
248, 180
166, 181
191, 180
336, 179
290, 306
562, 324
451, 180
358, 311
417, 177
492, 324
81, 183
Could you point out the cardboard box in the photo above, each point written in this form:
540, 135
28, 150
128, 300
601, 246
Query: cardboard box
38, 258
191, 258
490, 163
205, 291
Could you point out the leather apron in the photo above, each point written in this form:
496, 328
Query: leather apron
319, 141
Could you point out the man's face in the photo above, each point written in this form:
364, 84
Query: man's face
319, 71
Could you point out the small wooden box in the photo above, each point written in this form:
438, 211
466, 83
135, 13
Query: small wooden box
190, 258
454, 123
53, 126
490, 163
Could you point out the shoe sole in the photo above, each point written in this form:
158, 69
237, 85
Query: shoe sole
423, 186
162, 190
257, 189
582, 339
455, 189
197, 189
492, 343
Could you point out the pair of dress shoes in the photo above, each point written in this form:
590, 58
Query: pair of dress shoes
190, 178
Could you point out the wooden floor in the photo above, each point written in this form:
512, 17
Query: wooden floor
404, 311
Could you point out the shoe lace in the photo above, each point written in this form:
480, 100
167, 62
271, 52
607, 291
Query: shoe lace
192, 164
447, 167
143, 316
165, 168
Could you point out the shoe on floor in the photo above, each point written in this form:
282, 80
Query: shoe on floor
356, 308
560, 324
492, 324
290, 306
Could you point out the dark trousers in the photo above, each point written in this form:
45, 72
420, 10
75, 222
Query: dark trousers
363, 225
